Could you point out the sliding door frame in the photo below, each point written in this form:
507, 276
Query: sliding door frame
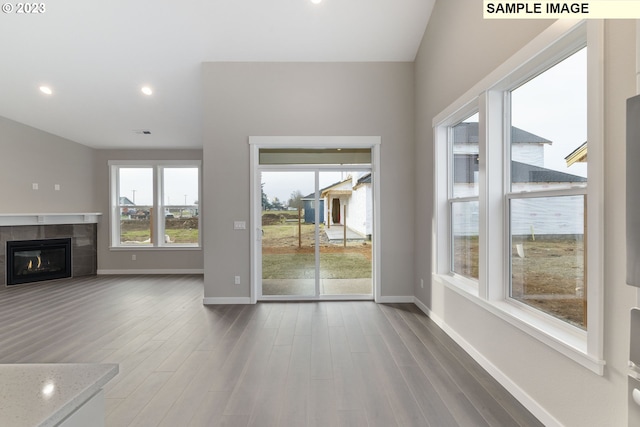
309, 142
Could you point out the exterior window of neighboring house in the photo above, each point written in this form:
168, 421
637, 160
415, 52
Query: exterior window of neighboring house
463, 199
155, 204
518, 216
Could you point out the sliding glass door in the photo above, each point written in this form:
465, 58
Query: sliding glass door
288, 238
316, 232
345, 242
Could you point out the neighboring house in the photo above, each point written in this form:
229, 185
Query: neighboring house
561, 215
125, 201
360, 211
128, 209
526, 148
355, 193
336, 196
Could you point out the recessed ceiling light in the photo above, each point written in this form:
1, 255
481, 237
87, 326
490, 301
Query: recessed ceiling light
146, 90
46, 89
316, 1
48, 389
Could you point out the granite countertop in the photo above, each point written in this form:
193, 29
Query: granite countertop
44, 394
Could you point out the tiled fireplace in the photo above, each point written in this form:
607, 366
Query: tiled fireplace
34, 261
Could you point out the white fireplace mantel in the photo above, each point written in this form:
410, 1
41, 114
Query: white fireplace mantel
10, 219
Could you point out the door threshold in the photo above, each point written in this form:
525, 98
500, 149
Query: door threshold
314, 298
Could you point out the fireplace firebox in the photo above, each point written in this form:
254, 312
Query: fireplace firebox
37, 260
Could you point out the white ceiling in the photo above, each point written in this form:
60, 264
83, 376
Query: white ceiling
97, 54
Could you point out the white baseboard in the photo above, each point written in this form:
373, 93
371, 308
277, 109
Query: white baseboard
152, 271
395, 299
426, 310
226, 300
527, 401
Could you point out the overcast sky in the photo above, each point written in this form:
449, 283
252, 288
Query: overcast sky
282, 184
180, 185
554, 106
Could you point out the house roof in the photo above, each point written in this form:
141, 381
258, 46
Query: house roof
467, 133
312, 196
125, 201
577, 155
523, 172
465, 166
365, 179
333, 188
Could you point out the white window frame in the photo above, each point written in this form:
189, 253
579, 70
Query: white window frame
488, 96
158, 204
446, 157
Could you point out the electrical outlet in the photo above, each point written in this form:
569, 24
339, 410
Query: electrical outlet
56, 187
422, 283
133, 257
237, 280
34, 186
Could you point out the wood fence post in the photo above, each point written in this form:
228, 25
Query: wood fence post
299, 227
345, 226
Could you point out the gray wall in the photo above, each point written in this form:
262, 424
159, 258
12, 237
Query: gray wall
28, 156
460, 48
304, 99
145, 259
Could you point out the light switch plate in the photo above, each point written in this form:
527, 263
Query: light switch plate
239, 225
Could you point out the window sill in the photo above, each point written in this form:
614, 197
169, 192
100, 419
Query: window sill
156, 248
566, 339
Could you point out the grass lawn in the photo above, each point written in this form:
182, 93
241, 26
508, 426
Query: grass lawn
182, 235
302, 266
176, 235
282, 258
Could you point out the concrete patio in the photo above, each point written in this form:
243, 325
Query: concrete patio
336, 233
305, 287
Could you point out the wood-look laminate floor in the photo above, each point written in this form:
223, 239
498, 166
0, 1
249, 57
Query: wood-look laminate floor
269, 364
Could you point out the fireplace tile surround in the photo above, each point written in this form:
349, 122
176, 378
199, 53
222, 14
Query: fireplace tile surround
83, 244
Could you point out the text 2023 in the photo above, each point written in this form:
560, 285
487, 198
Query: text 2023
31, 8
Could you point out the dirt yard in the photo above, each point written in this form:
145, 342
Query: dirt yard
546, 273
179, 230
285, 255
280, 236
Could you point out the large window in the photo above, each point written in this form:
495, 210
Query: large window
548, 190
155, 204
464, 191
518, 206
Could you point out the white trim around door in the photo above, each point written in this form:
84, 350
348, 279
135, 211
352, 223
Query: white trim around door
310, 142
